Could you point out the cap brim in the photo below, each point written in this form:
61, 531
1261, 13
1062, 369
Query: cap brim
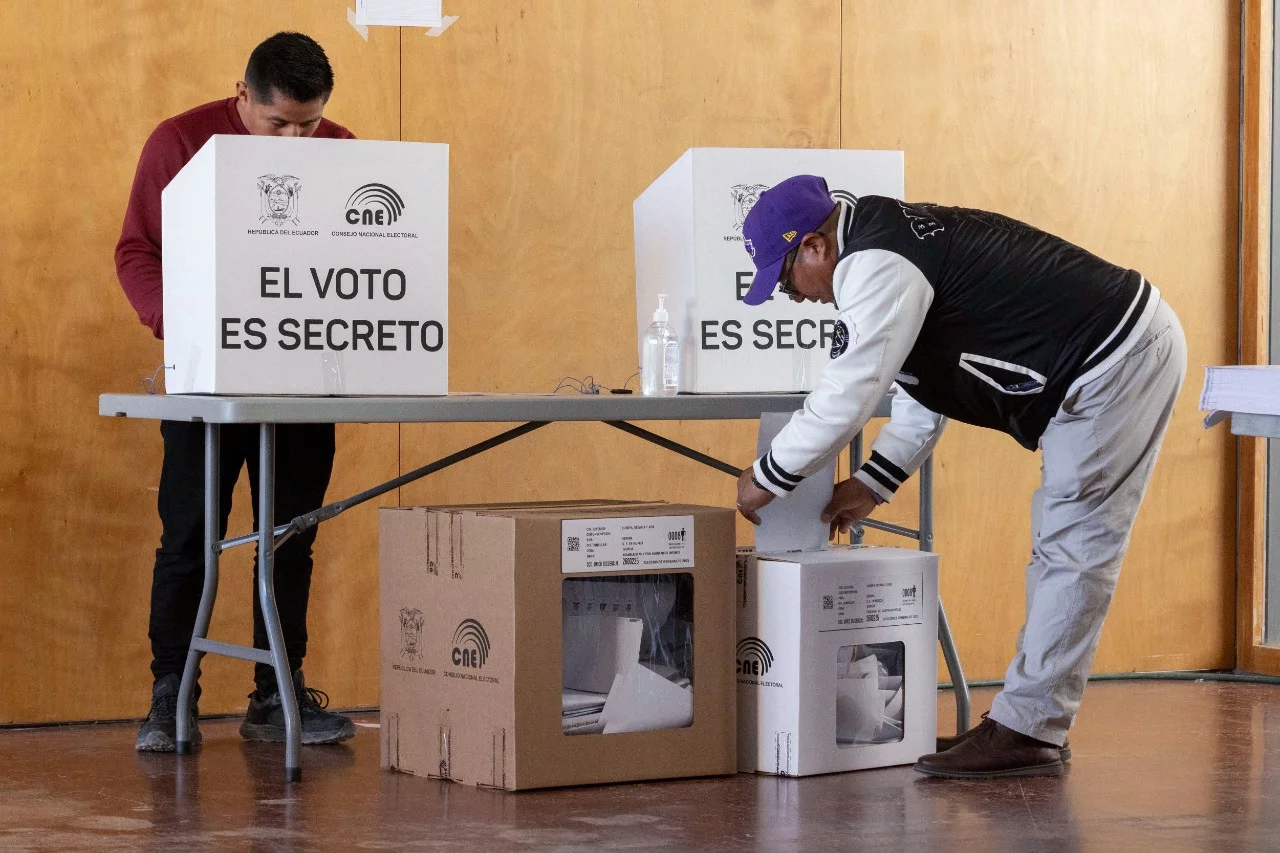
765, 281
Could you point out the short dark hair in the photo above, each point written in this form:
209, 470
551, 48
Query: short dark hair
293, 65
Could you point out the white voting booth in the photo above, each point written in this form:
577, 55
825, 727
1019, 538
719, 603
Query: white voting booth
307, 266
688, 235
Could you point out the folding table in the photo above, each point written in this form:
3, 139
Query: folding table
532, 411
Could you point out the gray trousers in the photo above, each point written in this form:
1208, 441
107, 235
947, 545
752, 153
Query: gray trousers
1097, 456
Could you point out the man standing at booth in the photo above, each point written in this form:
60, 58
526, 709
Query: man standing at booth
987, 320
285, 88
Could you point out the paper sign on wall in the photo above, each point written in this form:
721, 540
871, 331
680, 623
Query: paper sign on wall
399, 13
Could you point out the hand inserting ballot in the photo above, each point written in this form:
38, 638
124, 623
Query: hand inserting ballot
851, 502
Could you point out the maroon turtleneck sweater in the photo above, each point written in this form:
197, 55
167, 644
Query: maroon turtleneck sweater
174, 142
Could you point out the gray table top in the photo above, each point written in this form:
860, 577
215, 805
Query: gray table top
454, 408
1248, 423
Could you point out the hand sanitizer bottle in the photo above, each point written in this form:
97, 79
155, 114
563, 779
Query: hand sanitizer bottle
660, 356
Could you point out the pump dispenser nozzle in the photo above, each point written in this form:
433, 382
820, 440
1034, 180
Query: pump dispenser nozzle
660, 316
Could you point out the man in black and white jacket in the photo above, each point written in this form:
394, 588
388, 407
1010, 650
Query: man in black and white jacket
974, 316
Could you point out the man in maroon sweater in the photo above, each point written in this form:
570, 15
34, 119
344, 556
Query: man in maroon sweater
285, 88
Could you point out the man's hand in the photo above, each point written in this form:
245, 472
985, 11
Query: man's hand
751, 497
851, 502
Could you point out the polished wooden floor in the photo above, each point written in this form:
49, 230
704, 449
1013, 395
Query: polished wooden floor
1160, 766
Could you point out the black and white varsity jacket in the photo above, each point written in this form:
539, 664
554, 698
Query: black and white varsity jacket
974, 316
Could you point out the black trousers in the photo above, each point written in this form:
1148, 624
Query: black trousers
304, 462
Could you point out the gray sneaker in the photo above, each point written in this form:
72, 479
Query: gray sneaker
159, 732
265, 718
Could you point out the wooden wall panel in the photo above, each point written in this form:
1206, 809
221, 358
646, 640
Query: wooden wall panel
559, 115
1113, 125
84, 85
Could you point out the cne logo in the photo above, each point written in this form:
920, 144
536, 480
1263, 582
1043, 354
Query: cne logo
754, 656
374, 204
845, 196
789, 236
470, 644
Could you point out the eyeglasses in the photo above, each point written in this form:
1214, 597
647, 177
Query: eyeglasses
785, 287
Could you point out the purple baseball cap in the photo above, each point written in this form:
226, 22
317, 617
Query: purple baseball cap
776, 224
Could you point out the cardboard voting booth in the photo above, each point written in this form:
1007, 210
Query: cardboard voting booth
307, 266
534, 646
837, 659
688, 243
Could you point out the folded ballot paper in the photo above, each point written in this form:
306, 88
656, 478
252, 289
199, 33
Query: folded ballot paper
794, 523
869, 706
627, 654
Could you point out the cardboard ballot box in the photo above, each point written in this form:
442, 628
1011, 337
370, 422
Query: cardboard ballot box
688, 235
539, 645
837, 659
307, 266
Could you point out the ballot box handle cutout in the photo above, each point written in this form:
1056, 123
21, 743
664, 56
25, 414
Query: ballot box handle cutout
627, 653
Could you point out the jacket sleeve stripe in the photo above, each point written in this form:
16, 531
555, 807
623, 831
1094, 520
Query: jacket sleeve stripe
881, 462
773, 480
783, 474
879, 476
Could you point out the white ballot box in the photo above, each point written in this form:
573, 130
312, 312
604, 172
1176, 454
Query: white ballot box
837, 659
688, 236
307, 266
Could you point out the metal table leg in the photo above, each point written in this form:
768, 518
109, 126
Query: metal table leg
267, 598
212, 447
949, 653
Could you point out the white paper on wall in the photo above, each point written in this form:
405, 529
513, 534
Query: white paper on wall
399, 13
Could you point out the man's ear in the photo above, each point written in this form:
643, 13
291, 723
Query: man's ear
815, 245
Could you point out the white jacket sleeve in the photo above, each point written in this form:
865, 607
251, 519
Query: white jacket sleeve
882, 298
901, 447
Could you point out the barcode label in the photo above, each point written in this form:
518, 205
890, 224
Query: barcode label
869, 602
612, 544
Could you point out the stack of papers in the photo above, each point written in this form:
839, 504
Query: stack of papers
869, 706
581, 712
1240, 388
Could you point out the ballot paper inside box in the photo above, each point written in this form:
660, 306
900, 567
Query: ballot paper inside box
689, 245
528, 646
307, 266
836, 659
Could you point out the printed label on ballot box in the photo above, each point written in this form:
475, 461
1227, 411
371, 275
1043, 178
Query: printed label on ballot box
618, 544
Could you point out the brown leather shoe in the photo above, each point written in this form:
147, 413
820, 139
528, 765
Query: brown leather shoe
946, 742
993, 751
